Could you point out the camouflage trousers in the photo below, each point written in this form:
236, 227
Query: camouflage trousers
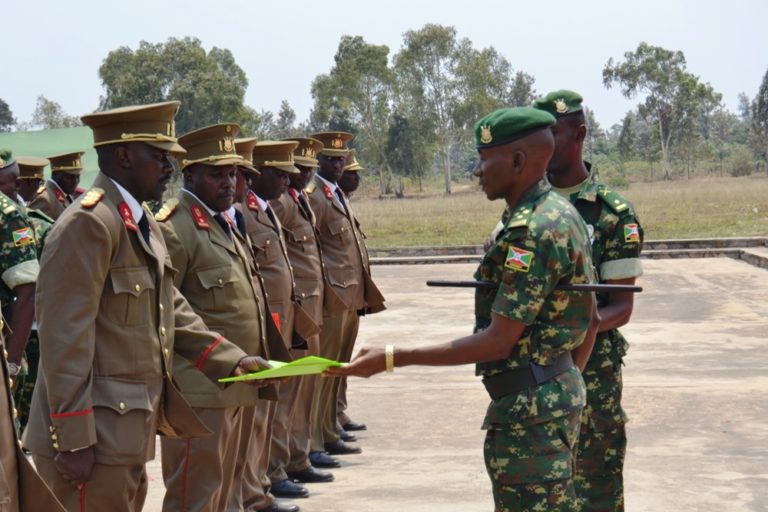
531, 465
602, 444
25, 385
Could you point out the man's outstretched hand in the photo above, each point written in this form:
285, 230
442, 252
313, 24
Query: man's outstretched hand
369, 361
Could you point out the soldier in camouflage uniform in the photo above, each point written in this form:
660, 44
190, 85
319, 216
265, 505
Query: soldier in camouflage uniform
616, 244
525, 328
12, 179
18, 268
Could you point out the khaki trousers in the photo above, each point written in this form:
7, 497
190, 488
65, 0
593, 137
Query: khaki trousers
112, 488
199, 474
254, 492
299, 441
287, 417
9, 470
336, 339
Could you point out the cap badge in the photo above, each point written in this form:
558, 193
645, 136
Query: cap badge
171, 129
485, 134
337, 143
308, 152
560, 106
227, 144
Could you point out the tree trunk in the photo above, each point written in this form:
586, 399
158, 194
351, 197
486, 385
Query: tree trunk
447, 168
664, 146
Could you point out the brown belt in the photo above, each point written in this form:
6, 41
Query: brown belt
531, 376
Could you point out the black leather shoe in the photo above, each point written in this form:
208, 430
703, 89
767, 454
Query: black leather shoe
280, 507
310, 475
341, 448
352, 426
288, 489
323, 460
347, 437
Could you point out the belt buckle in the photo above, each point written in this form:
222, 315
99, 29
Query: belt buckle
537, 372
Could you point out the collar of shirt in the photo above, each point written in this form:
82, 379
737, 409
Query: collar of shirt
20, 200
330, 185
231, 214
262, 203
62, 190
136, 210
211, 212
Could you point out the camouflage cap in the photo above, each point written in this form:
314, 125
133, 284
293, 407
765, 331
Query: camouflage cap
559, 103
6, 158
277, 154
351, 163
71, 163
213, 145
334, 143
152, 124
306, 152
510, 124
31, 167
244, 148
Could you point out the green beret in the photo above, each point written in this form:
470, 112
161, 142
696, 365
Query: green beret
6, 158
509, 124
560, 103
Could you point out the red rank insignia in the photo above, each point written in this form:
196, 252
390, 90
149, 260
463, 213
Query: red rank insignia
251, 201
60, 196
199, 215
328, 192
127, 215
294, 194
276, 319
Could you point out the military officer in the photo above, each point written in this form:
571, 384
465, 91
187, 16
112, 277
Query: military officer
215, 275
349, 276
617, 237
31, 175
59, 191
350, 178
525, 328
110, 321
298, 223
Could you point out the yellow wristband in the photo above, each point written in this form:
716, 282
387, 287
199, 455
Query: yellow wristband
389, 357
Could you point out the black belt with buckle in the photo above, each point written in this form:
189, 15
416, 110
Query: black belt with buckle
531, 376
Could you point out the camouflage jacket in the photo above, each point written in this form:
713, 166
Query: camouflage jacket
543, 243
617, 238
18, 255
41, 223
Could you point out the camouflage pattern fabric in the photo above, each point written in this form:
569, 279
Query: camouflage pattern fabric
18, 247
617, 238
532, 433
42, 224
25, 383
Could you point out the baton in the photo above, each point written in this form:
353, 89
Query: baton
564, 287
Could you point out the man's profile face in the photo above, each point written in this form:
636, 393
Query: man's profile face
67, 182
494, 170
8, 183
567, 148
213, 185
150, 171
331, 167
349, 182
301, 180
271, 184
27, 187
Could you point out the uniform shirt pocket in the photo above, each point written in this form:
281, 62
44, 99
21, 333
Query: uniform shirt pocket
133, 290
265, 247
214, 281
341, 228
343, 276
123, 413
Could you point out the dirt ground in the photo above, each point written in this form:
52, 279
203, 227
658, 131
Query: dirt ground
696, 391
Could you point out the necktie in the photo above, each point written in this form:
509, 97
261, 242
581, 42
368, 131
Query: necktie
144, 227
271, 216
224, 224
341, 199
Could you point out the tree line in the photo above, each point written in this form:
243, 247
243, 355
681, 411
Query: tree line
413, 110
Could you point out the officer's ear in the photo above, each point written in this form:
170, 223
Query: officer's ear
518, 161
122, 156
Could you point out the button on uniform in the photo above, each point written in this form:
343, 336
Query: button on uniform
162, 331
137, 287
121, 406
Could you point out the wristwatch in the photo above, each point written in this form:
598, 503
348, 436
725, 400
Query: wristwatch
14, 369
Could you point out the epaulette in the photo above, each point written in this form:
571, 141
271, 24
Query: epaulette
614, 201
40, 189
92, 197
520, 219
39, 215
311, 187
7, 205
167, 210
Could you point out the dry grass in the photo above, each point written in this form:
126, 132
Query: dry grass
678, 209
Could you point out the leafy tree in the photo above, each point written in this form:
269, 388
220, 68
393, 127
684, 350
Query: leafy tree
406, 148
723, 123
596, 139
49, 114
7, 120
759, 121
625, 143
673, 96
285, 124
211, 86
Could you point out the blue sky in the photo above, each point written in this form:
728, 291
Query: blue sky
55, 48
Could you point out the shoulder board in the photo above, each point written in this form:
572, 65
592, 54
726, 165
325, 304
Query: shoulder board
92, 198
199, 217
614, 200
311, 187
520, 219
40, 189
167, 210
39, 215
251, 202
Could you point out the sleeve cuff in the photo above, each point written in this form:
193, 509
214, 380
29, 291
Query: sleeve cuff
73, 430
621, 269
24, 273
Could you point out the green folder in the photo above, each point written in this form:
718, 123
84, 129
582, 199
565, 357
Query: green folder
305, 366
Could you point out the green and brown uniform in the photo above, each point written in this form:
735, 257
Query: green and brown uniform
616, 244
532, 431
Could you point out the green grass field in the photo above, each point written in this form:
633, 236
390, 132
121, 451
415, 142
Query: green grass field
702, 207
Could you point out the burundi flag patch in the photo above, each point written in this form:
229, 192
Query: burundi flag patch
22, 237
518, 259
631, 233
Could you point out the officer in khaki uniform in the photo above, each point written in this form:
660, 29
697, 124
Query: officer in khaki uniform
274, 162
59, 191
348, 275
110, 321
31, 175
215, 274
301, 243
